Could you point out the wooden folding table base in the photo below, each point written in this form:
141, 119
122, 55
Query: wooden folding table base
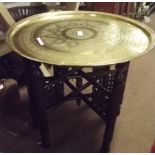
107, 85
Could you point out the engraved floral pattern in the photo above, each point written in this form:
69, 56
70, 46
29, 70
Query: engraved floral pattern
54, 32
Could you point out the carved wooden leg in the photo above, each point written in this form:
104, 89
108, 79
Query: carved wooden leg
59, 86
114, 106
32, 101
38, 107
78, 85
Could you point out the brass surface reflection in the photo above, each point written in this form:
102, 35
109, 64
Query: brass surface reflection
80, 38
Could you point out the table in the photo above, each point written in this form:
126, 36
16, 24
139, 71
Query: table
71, 41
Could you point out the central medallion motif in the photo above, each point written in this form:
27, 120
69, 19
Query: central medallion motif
79, 33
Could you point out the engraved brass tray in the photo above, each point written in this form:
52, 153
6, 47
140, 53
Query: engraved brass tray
80, 38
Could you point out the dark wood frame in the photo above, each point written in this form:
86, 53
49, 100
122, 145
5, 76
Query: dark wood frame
108, 84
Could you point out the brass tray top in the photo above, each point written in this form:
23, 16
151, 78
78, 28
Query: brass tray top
80, 38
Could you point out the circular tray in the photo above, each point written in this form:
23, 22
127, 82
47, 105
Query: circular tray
80, 38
